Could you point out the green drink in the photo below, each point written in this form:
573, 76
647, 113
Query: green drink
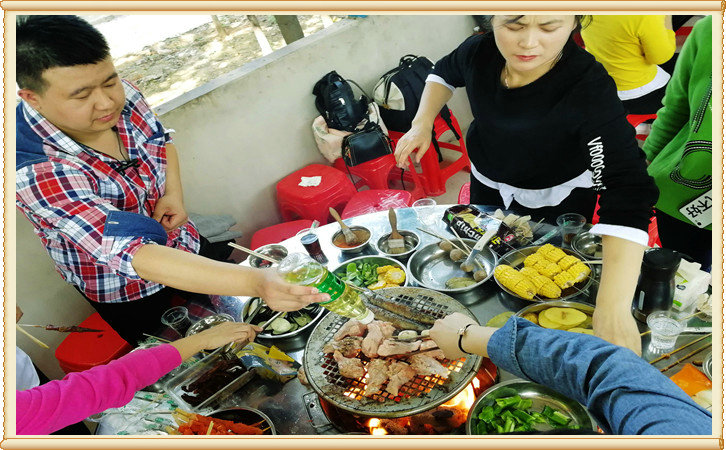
298, 268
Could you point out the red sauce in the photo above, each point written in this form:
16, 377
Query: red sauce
360, 237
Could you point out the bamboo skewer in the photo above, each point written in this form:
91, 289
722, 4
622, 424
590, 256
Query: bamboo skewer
209, 430
254, 253
669, 354
156, 337
32, 338
695, 352
429, 232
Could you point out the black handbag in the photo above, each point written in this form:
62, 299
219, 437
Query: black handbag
365, 145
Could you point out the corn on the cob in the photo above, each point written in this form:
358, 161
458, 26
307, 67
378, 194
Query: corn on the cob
532, 259
533, 275
555, 255
545, 249
516, 282
579, 271
564, 279
547, 268
545, 286
567, 262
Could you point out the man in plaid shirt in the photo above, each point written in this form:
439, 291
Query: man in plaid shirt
98, 177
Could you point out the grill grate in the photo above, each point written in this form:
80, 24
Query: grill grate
419, 394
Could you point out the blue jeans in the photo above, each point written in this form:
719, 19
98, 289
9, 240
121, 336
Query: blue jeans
624, 393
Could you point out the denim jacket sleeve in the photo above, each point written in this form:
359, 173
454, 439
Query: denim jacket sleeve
624, 393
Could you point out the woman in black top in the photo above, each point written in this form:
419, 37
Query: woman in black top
549, 134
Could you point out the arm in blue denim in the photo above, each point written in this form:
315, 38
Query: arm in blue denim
624, 393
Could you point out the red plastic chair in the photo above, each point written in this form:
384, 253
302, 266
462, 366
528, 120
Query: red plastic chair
81, 351
312, 202
276, 233
433, 174
465, 193
637, 119
373, 200
381, 172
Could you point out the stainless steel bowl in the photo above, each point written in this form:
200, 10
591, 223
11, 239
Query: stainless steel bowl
314, 310
208, 322
275, 251
247, 416
541, 396
587, 245
411, 242
356, 249
515, 258
708, 366
537, 307
380, 260
431, 267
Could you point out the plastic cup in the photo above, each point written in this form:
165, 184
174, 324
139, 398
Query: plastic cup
177, 318
570, 225
425, 211
664, 330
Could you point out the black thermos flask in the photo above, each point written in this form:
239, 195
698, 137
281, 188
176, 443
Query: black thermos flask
656, 285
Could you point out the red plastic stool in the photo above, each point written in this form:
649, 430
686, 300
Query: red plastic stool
81, 351
380, 172
434, 175
637, 119
312, 202
279, 232
373, 200
465, 193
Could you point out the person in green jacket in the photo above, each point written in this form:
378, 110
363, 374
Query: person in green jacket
679, 151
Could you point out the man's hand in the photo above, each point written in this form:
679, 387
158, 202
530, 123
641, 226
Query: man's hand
618, 328
170, 212
280, 295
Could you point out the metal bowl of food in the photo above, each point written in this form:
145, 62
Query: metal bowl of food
411, 242
373, 272
275, 251
515, 259
208, 322
432, 267
290, 324
363, 237
246, 416
545, 410
587, 245
560, 317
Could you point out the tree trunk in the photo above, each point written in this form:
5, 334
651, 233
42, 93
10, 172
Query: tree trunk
261, 38
221, 30
290, 28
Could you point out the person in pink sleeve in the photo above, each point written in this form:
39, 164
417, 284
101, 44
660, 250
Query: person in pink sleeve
54, 405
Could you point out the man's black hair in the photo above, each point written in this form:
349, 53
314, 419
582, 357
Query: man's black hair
44, 42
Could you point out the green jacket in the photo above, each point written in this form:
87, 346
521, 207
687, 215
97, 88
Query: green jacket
679, 144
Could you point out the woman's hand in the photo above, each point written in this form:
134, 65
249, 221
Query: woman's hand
617, 328
169, 212
445, 333
417, 138
280, 295
215, 337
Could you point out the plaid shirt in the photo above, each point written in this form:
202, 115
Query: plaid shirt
68, 192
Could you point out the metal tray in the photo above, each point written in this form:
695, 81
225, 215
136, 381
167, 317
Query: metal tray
174, 386
587, 245
430, 267
314, 311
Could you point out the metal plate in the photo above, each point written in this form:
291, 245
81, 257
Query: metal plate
537, 307
419, 394
431, 267
314, 311
515, 258
247, 416
540, 395
708, 366
587, 245
374, 259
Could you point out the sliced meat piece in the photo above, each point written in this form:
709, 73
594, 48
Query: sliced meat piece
350, 328
377, 376
377, 332
399, 373
426, 365
393, 347
301, 376
349, 367
438, 353
349, 346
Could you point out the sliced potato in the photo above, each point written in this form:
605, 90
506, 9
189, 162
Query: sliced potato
565, 318
544, 322
581, 330
532, 317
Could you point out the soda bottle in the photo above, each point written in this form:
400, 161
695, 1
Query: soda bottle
298, 268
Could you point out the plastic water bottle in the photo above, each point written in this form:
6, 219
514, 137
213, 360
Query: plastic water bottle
298, 268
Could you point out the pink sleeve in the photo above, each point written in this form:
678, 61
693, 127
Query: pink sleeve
54, 405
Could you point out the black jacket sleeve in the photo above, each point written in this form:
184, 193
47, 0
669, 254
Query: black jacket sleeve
454, 66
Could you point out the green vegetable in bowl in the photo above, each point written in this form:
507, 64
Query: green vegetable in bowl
361, 274
280, 326
513, 414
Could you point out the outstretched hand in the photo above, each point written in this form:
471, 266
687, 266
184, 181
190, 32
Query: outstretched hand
445, 333
280, 295
418, 139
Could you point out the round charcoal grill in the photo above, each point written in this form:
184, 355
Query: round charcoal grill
420, 394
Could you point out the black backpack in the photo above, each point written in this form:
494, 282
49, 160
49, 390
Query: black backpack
399, 91
335, 101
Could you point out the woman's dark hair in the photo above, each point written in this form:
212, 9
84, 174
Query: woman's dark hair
485, 22
44, 42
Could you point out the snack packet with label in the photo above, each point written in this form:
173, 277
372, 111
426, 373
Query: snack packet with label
471, 223
268, 362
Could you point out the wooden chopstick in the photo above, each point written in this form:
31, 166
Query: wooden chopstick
669, 354
32, 338
253, 253
695, 352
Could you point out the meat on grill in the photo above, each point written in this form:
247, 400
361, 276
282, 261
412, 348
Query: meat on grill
426, 365
301, 376
437, 353
377, 332
377, 376
350, 328
349, 346
399, 373
349, 367
393, 347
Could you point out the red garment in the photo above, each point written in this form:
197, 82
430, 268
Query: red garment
59, 403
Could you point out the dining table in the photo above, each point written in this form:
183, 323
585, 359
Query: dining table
294, 408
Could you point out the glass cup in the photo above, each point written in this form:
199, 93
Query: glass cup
312, 245
177, 318
570, 224
425, 209
664, 330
